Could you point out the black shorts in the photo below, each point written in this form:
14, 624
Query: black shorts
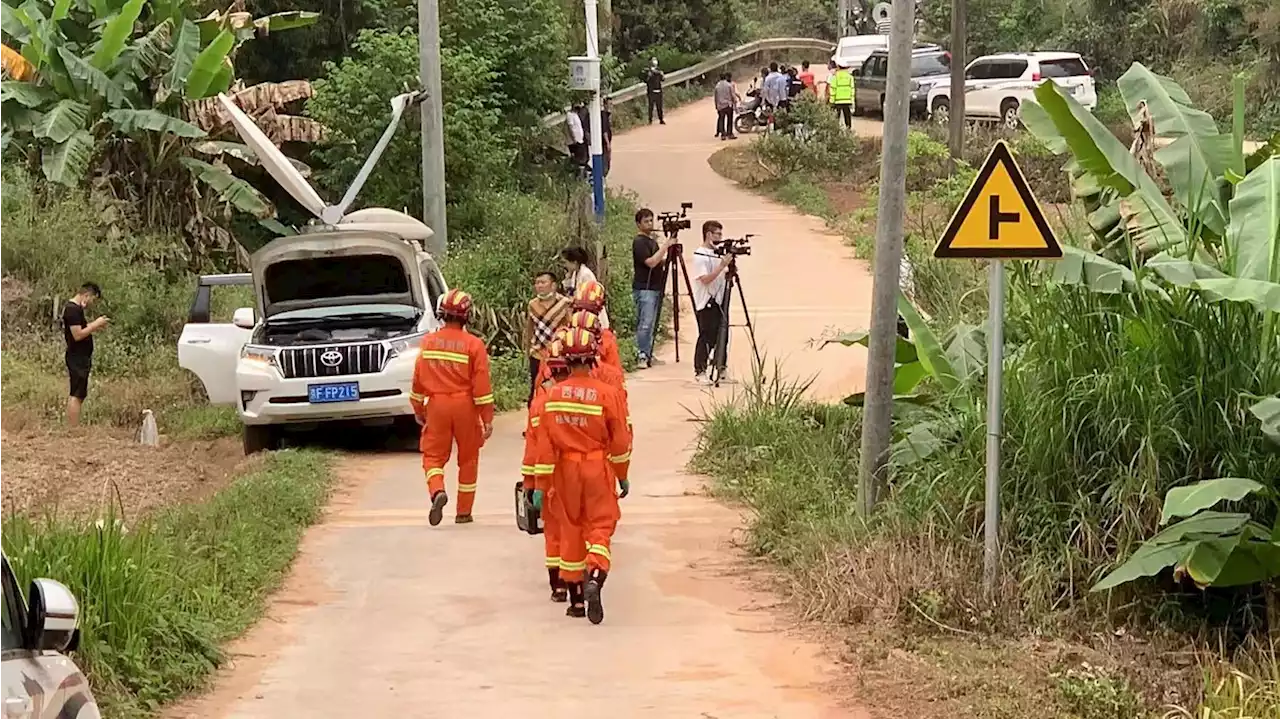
79, 375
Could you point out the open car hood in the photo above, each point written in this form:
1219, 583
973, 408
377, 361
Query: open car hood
335, 268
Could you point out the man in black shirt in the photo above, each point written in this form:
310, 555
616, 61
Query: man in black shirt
649, 262
653, 81
79, 335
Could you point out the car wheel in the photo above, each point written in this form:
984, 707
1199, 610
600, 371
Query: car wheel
1009, 114
260, 438
941, 110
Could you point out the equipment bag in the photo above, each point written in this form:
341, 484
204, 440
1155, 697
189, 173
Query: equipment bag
528, 517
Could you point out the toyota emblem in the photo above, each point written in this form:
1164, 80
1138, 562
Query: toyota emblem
332, 358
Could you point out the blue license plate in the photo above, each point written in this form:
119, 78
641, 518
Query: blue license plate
337, 392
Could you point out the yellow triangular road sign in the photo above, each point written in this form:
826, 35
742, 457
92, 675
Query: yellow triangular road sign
999, 218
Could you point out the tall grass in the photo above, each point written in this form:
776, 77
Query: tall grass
158, 596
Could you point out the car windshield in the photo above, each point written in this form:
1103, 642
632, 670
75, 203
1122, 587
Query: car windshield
926, 65
384, 311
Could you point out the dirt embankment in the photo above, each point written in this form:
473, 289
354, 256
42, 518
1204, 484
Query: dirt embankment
80, 472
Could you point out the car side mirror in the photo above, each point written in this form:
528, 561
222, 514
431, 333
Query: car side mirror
52, 617
244, 318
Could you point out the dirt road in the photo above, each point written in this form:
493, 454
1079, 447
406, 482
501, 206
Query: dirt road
386, 617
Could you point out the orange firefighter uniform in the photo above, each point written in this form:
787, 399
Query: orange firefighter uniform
582, 444
453, 397
538, 486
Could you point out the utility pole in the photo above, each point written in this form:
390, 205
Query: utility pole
433, 205
878, 411
597, 128
606, 38
959, 58
842, 19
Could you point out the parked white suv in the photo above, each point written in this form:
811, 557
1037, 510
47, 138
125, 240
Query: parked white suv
340, 312
997, 85
40, 681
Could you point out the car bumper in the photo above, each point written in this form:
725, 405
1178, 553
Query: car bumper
268, 398
919, 104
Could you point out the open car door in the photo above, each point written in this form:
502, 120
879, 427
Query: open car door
210, 350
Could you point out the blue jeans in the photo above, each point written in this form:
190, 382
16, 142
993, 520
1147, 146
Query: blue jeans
648, 309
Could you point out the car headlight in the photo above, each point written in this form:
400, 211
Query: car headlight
406, 343
265, 355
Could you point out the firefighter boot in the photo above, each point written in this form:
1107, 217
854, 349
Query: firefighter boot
558, 592
576, 608
438, 500
595, 583
463, 519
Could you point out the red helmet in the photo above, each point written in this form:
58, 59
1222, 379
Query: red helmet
555, 355
456, 305
580, 346
585, 320
590, 297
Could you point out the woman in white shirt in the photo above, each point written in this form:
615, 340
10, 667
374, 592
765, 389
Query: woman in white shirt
577, 274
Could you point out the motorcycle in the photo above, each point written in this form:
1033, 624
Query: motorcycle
751, 114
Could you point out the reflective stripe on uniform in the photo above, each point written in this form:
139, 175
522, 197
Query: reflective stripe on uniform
526, 469
484, 399
415, 397
575, 408
573, 566
535, 422
466, 487
553, 562
600, 550
435, 472
619, 459
458, 357
544, 469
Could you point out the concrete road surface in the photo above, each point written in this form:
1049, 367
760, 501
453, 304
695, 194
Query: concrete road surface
384, 616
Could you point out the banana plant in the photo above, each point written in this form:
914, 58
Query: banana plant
102, 71
954, 366
1213, 549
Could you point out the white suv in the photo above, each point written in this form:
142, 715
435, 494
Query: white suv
341, 310
997, 85
40, 681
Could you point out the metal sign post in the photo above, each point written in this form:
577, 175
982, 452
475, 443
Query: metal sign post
998, 220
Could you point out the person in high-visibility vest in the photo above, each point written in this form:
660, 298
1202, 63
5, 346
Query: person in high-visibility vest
840, 94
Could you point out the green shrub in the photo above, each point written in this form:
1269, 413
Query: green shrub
810, 138
160, 596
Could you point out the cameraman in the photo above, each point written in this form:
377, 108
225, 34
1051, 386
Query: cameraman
708, 292
649, 264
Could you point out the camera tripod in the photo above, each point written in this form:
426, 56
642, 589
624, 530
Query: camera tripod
674, 261
720, 356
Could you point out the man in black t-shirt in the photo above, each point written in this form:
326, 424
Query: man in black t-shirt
649, 263
79, 335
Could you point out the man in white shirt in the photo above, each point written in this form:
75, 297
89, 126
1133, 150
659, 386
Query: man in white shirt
708, 293
776, 86
577, 137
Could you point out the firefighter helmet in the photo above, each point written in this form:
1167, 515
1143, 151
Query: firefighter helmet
586, 320
579, 346
555, 354
590, 297
456, 305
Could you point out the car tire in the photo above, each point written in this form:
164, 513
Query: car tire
941, 110
1009, 114
260, 438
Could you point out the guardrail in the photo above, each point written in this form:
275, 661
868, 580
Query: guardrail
728, 57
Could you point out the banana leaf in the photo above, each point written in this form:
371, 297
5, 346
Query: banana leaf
66, 162
1268, 412
1168, 548
106, 88
1186, 501
1253, 241
1263, 295
115, 35
133, 121
27, 94
903, 353
208, 64
929, 349
289, 20
185, 49
1232, 561
231, 189
62, 121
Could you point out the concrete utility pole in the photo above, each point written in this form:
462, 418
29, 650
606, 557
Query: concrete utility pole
433, 206
597, 128
878, 410
959, 58
842, 19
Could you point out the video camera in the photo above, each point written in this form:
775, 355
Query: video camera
730, 246
673, 222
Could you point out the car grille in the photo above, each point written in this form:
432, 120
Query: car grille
332, 360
